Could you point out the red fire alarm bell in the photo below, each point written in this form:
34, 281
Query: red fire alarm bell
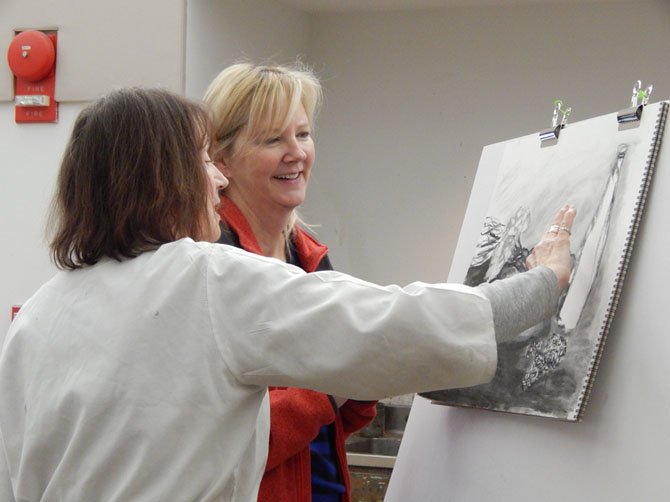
32, 59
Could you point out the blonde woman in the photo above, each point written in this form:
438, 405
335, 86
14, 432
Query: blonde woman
263, 120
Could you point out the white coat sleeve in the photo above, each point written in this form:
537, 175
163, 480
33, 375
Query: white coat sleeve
327, 331
6, 491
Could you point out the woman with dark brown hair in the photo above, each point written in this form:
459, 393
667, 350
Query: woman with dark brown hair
150, 195
140, 371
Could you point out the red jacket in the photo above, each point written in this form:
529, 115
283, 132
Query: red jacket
296, 415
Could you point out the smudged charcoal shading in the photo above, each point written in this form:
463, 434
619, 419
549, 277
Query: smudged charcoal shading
549, 369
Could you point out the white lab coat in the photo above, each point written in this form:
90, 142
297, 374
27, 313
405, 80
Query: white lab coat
146, 379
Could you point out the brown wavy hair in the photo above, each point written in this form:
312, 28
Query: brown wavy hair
131, 177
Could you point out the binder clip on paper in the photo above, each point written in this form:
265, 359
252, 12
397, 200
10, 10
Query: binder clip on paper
550, 136
638, 100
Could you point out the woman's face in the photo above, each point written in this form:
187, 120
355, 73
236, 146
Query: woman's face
272, 176
217, 182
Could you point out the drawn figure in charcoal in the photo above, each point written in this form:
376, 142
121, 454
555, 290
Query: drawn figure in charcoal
501, 253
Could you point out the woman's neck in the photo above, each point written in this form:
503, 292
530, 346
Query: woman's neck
271, 241
268, 227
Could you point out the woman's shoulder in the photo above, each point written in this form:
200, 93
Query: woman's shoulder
196, 250
221, 258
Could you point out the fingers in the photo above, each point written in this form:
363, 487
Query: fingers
568, 217
558, 217
553, 250
563, 220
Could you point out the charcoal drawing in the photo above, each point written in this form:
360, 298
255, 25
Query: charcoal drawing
548, 370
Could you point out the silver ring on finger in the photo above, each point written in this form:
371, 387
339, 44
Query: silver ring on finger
564, 229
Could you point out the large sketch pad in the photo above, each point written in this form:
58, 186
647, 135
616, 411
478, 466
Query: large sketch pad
605, 173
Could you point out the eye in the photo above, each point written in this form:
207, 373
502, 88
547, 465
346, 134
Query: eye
272, 141
304, 134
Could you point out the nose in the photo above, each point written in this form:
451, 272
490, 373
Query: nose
220, 180
295, 152
216, 177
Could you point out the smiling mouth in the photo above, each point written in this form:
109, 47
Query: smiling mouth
289, 177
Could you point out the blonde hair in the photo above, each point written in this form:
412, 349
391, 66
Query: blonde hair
261, 99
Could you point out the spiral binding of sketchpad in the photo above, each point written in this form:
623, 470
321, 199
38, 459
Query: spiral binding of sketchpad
625, 257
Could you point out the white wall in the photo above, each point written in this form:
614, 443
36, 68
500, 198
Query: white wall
221, 32
412, 97
101, 46
29, 156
